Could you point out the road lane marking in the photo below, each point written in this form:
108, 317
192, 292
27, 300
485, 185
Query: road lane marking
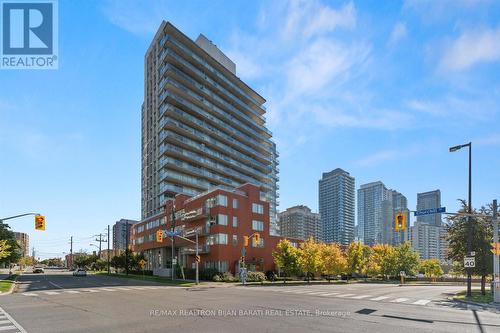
400, 300
4, 321
107, 289
120, 288
29, 294
346, 295
421, 302
50, 292
5, 328
361, 296
379, 298
329, 294
72, 291
14, 323
92, 290
315, 293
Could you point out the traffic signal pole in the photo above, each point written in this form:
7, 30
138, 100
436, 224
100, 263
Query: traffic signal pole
197, 263
109, 266
496, 264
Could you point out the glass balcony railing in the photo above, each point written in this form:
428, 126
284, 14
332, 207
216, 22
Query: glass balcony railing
206, 138
212, 83
206, 65
193, 120
207, 161
264, 143
211, 106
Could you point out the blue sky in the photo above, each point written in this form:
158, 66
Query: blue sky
381, 89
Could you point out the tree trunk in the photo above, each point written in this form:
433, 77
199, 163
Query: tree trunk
483, 284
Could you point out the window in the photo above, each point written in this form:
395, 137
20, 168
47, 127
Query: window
222, 219
217, 239
235, 240
258, 225
235, 221
257, 208
235, 203
221, 200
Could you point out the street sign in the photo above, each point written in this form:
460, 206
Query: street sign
172, 233
469, 262
495, 248
174, 261
142, 263
402, 273
429, 211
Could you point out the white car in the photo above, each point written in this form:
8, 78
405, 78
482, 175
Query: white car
80, 272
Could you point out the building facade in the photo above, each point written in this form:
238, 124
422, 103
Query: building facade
120, 233
427, 200
374, 212
428, 235
337, 206
223, 218
202, 127
23, 239
300, 223
399, 205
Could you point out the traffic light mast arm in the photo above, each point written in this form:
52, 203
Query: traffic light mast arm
16, 216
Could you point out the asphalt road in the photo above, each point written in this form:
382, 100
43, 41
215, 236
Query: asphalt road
58, 302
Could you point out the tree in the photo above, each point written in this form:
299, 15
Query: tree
431, 268
286, 258
118, 261
5, 248
406, 260
382, 260
457, 269
7, 235
309, 257
26, 261
333, 260
357, 257
482, 231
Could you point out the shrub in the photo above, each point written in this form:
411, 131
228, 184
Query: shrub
256, 277
227, 277
208, 274
216, 278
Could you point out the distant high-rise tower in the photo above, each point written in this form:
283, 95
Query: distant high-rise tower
300, 223
426, 200
374, 213
202, 126
337, 206
399, 205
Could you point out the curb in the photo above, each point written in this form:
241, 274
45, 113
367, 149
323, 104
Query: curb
12, 286
484, 306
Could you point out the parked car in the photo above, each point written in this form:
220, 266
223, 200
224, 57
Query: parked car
38, 270
80, 272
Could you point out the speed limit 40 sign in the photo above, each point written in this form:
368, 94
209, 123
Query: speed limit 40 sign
469, 262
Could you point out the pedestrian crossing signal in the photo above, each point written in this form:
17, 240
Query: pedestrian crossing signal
159, 236
400, 222
197, 258
39, 222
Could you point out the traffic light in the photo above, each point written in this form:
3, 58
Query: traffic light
39, 222
159, 236
400, 223
245, 240
257, 239
495, 248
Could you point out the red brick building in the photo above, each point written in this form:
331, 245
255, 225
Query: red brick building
223, 218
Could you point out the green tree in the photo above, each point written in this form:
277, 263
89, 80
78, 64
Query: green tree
26, 261
482, 231
5, 248
457, 269
382, 260
357, 258
14, 249
431, 268
286, 258
81, 260
406, 260
333, 260
309, 257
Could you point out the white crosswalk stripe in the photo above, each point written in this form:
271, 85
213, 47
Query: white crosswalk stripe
400, 300
7, 323
345, 295
379, 298
361, 296
421, 302
50, 292
93, 290
72, 291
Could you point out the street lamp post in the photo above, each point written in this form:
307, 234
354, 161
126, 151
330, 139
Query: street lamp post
469, 208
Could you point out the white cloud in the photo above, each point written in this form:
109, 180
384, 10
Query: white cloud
399, 32
471, 48
310, 18
378, 158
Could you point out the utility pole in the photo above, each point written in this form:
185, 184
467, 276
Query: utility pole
71, 252
496, 264
126, 248
109, 267
173, 241
100, 240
